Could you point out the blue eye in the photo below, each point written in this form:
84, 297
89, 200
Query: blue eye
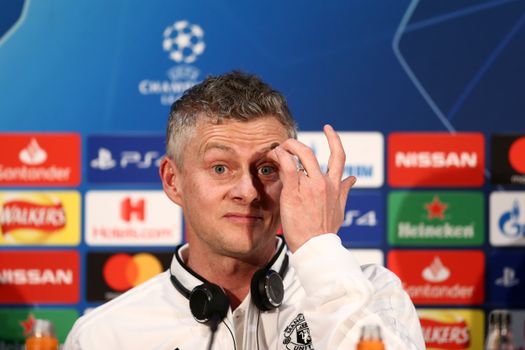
267, 170
219, 169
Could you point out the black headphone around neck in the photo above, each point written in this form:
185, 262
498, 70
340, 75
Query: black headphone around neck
209, 302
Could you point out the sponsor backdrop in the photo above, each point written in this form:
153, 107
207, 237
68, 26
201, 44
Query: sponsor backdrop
427, 95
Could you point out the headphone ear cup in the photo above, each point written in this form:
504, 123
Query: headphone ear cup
207, 300
267, 289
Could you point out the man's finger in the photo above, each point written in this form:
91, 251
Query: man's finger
287, 166
336, 162
346, 185
306, 156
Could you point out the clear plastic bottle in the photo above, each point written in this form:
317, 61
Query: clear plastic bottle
42, 336
370, 338
499, 335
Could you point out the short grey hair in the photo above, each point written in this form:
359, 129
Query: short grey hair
232, 96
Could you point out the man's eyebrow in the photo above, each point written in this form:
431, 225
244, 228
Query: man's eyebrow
219, 146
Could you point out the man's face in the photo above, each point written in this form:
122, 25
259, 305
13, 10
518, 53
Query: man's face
229, 189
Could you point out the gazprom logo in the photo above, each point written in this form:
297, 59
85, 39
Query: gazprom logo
507, 218
509, 222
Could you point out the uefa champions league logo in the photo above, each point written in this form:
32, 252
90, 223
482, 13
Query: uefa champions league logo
183, 41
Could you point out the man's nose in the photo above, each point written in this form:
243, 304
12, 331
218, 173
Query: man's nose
247, 188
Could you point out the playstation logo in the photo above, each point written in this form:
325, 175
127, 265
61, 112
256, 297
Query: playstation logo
508, 279
104, 160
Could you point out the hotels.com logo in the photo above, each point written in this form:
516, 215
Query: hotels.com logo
440, 277
435, 159
132, 218
40, 159
130, 208
39, 277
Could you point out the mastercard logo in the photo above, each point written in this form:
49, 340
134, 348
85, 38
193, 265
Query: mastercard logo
124, 271
517, 155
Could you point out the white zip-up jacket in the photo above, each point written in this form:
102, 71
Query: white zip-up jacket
328, 297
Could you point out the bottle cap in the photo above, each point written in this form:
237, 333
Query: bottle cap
43, 328
370, 332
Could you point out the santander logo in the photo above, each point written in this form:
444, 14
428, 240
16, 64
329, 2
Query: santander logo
436, 272
33, 154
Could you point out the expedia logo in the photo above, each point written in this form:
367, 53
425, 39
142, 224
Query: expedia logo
297, 335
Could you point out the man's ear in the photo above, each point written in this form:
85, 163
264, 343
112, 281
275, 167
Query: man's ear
169, 175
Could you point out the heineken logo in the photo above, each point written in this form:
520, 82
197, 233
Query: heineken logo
440, 218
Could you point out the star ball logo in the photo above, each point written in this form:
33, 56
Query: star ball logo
435, 218
184, 43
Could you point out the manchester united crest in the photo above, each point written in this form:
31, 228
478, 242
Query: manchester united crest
297, 335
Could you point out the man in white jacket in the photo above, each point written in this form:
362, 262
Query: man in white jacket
235, 167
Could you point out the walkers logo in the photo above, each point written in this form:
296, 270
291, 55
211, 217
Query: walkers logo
184, 43
39, 218
435, 159
506, 278
508, 159
507, 218
366, 148
452, 328
364, 220
435, 218
18, 322
124, 159
439, 276
39, 277
297, 335
40, 159
132, 218
109, 275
